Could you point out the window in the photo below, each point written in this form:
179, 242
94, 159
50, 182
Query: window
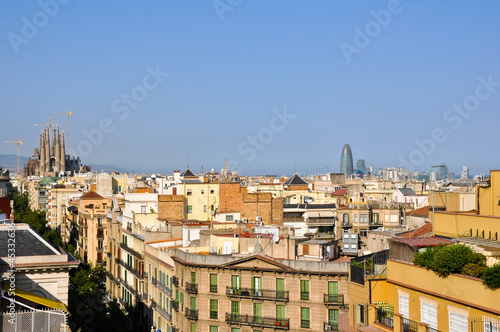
202, 192
235, 283
193, 327
363, 233
235, 310
280, 288
490, 327
189, 209
214, 305
205, 208
257, 312
304, 318
404, 308
333, 319
355, 218
458, 323
143, 208
363, 218
213, 283
375, 218
214, 329
189, 192
304, 289
212, 191
229, 217
257, 286
280, 314
428, 314
333, 291
193, 277
345, 219
193, 303
235, 329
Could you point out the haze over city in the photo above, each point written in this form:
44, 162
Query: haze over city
273, 87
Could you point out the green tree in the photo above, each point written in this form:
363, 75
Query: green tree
491, 277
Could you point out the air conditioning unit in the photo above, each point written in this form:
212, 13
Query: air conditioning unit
258, 219
230, 291
258, 293
244, 220
259, 224
328, 327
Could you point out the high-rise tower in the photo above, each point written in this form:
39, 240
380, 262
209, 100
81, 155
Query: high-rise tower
346, 160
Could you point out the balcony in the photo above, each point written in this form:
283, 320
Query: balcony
164, 289
130, 250
191, 288
175, 305
112, 278
129, 268
256, 321
346, 224
408, 325
191, 314
385, 318
331, 326
174, 329
175, 281
262, 294
100, 250
333, 299
154, 281
164, 313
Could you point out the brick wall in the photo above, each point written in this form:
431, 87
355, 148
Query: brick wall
171, 207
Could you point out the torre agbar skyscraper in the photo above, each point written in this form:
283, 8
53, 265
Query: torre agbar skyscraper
346, 166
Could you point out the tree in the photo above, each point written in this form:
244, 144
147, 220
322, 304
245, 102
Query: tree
491, 277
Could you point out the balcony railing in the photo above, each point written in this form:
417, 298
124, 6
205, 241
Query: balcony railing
164, 289
154, 281
191, 288
305, 323
129, 268
385, 318
213, 288
335, 299
175, 281
408, 325
346, 224
191, 314
112, 278
164, 313
304, 295
332, 326
269, 322
262, 294
175, 305
130, 250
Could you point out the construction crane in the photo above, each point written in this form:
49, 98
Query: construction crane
68, 113
17, 142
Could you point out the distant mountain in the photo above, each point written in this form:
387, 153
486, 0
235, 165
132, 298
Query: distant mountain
9, 161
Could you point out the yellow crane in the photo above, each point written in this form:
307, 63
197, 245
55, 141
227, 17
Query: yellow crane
17, 142
68, 113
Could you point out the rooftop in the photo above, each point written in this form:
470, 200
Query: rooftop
423, 242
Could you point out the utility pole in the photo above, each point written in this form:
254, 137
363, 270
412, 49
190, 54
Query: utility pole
18, 142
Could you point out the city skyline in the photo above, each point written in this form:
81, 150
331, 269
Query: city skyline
273, 88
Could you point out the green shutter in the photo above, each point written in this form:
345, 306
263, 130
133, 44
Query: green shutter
333, 316
213, 283
193, 277
280, 288
235, 282
214, 329
235, 310
193, 327
182, 297
257, 312
193, 303
214, 307
253, 284
280, 313
304, 289
304, 316
177, 295
333, 288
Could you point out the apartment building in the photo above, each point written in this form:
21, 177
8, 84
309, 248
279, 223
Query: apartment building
92, 233
256, 292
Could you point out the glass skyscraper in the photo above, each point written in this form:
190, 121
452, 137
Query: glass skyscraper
346, 160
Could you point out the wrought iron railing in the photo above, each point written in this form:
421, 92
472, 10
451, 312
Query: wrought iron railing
276, 323
263, 294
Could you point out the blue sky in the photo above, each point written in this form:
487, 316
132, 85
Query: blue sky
231, 70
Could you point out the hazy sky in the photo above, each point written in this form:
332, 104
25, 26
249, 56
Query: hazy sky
267, 84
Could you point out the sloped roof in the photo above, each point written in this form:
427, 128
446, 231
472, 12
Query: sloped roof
422, 212
339, 192
188, 173
47, 180
407, 192
27, 244
91, 195
295, 180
